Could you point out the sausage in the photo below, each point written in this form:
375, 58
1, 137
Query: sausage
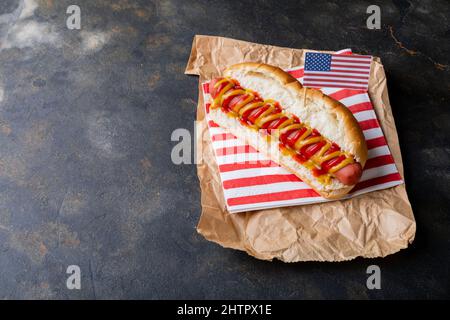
350, 174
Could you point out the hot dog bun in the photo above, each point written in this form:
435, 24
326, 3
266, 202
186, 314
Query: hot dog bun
319, 111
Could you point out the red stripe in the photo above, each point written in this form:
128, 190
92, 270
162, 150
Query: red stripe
212, 124
377, 142
379, 161
341, 94
369, 124
258, 180
223, 136
347, 66
332, 75
208, 105
339, 59
246, 165
235, 150
276, 196
336, 80
297, 73
375, 181
328, 85
206, 87
363, 106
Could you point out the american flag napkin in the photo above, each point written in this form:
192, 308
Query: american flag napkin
251, 181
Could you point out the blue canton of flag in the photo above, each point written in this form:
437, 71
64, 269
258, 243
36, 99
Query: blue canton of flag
317, 61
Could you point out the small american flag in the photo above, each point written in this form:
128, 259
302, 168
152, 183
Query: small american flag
337, 70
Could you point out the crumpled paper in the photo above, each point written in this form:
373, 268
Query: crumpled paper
371, 225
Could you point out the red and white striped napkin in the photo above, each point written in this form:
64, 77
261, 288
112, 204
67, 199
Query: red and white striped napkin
251, 181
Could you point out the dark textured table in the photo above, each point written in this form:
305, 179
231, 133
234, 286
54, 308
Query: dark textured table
86, 176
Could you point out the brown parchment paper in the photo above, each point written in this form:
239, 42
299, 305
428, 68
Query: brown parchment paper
370, 225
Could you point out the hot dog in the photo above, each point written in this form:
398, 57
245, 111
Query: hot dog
312, 135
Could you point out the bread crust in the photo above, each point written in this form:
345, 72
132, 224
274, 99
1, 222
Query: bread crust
305, 97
